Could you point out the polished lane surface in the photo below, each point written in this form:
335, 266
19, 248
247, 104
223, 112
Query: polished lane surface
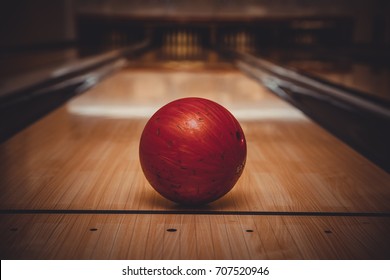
303, 193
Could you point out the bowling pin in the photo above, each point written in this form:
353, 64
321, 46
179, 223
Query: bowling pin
231, 41
189, 44
184, 44
167, 42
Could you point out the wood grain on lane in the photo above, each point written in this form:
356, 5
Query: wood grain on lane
85, 154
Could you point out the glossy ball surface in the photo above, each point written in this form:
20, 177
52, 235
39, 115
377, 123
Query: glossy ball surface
192, 151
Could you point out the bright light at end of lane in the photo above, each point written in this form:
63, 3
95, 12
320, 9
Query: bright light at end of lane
142, 111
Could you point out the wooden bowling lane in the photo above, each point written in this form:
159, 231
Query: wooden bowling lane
370, 79
71, 186
84, 155
186, 236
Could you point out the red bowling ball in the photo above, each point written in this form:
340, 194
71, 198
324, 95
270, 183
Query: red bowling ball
192, 151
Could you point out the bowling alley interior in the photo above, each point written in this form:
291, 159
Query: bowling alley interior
308, 82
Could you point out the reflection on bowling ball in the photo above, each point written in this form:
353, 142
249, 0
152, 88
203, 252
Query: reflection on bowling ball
192, 151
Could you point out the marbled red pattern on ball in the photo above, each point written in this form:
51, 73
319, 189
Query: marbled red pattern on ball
192, 151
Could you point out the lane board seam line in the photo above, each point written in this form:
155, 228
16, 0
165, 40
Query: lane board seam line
196, 212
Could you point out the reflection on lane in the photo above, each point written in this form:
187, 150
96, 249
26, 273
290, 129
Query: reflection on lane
138, 94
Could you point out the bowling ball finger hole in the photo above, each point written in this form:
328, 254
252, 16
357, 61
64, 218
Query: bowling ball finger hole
171, 230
